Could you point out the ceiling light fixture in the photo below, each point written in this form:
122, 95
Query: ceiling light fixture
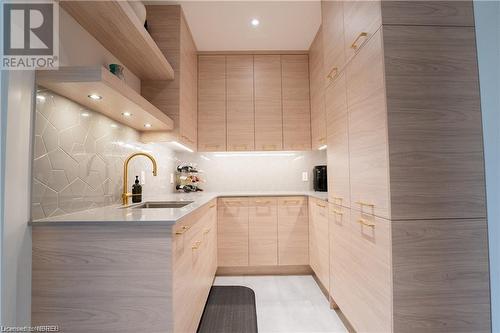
126, 114
255, 22
95, 97
148, 125
84, 114
323, 147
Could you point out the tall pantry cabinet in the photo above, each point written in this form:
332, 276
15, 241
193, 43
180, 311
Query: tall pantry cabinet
408, 232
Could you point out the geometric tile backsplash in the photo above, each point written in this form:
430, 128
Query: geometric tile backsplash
78, 158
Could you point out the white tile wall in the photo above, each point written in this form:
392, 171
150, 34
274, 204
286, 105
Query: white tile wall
78, 158
256, 171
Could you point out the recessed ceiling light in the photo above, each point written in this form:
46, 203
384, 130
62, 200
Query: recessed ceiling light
126, 114
95, 97
84, 114
255, 22
148, 125
114, 125
40, 97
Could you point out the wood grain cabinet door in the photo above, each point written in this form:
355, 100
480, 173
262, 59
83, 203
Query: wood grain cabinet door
296, 108
317, 89
361, 20
368, 147
318, 241
263, 231
338, 143
341, 273
268, 110
371, 283
332, 13
293, 231
232, 232
240, 103
211, 103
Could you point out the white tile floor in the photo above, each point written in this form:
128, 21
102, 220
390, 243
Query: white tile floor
288, 303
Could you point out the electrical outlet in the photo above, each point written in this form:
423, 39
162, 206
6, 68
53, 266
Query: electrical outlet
305, 176
171, 178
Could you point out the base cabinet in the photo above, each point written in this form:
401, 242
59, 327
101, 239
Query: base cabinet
194, 264
318, 240
259, 232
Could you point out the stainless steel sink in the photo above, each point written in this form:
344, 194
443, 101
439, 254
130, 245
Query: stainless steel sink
163, 204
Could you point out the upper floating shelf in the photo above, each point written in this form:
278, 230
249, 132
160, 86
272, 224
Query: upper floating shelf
78, 83
115, 25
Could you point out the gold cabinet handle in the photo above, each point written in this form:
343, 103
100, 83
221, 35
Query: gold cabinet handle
366, 223
269, 147
291, 202
322, 140
354, 46
262, 202
337, 201
333, 73
337, 212
320, 205
211, 145
362, 203
211, 206
182, 231
207, 231
244, 147
196, 245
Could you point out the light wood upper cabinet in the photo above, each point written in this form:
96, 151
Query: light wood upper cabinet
361, 20
338, 143
263, 231
293, 231
319, 243
296, 108
318, 117
177, 98
240, 102
211, 103
368, 146
232, 232
332, 13
268, 110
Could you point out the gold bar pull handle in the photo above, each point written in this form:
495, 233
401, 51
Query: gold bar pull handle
333, 73
292, 202
196, 245
207, 231
366, 223
355, 46
337, 212
362, 203
182, 231
211, 206
320, 205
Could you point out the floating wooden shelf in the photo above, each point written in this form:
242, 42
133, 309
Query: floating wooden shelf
77, 83
115, 25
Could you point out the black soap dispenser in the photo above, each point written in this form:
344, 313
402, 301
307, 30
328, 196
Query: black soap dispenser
136, 191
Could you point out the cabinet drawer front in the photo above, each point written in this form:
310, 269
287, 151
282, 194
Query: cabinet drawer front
293, 231
371, 262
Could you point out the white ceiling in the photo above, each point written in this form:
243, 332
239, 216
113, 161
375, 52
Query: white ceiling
225, 25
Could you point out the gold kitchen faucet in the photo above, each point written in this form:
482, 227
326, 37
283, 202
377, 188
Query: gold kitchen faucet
126, 194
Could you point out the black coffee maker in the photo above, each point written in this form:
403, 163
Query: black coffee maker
320, 180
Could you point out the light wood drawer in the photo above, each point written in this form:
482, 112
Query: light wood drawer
232, 232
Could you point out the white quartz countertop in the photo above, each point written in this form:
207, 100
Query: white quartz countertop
157, 216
